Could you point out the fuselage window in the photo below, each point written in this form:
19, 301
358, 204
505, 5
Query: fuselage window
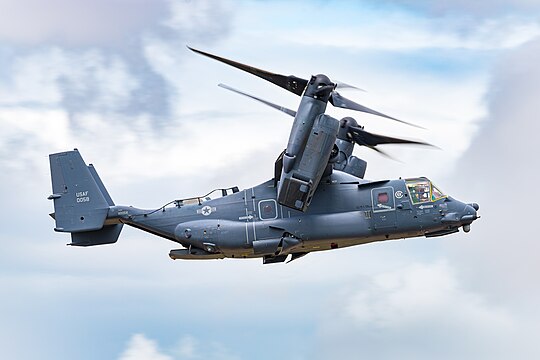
382, 198
268, 209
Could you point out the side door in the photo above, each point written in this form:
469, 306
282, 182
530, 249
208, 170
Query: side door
383, 207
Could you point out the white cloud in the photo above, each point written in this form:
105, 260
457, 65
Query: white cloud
401, 32
478, 9
419, 311
421, 293
188, 149
202, 17
142, 348
401, 26
27, 135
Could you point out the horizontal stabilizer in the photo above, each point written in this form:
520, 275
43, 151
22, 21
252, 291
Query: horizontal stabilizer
107, 235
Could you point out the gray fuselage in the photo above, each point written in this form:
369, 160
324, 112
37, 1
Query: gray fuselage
345, 211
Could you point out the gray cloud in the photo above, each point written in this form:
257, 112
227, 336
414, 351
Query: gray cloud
112, 82
90, 56
77, 23
500, 171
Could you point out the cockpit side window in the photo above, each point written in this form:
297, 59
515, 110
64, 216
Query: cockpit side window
436, 194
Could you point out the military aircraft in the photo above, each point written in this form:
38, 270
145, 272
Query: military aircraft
318, 199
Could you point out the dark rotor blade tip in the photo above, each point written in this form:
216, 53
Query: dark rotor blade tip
193, 49
291, 83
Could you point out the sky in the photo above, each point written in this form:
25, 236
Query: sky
115, 80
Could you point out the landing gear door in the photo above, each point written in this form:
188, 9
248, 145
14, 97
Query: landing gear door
384, 208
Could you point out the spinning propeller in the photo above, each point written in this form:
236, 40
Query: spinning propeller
297, 86
349, 129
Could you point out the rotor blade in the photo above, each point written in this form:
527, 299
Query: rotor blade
342, 85
385, 154
339, 101
365, 138
292, 83
277, 107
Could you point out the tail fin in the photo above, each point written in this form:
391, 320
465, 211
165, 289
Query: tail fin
81, 202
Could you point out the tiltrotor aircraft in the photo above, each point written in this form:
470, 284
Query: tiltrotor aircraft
317, 200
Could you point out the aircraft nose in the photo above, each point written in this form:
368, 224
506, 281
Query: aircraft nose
461, 214
469, 214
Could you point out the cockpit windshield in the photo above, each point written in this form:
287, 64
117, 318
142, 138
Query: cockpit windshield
422, 190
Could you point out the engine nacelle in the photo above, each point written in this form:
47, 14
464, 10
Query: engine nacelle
302, 173
356, 167
345, 161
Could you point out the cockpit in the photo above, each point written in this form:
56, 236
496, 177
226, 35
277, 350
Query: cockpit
422, 190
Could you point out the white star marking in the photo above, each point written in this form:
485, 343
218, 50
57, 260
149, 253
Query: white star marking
206, 210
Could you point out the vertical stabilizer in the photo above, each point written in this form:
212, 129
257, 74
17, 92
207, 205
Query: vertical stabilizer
81, 202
